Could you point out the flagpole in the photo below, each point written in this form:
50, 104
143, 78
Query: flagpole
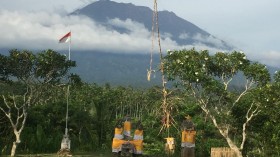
69, 48
65, 143
68, 90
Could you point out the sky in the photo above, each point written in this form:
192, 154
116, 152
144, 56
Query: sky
252, 26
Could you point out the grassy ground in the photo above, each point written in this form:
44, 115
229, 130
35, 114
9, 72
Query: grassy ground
74, 155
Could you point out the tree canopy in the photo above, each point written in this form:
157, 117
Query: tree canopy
208, 77
233, 102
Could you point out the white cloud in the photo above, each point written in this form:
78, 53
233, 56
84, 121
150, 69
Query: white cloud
184, 36
41, 30
252, 27
208, 39
271, 58
165, 35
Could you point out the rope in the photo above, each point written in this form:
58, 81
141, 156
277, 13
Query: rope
164, 106
149, 72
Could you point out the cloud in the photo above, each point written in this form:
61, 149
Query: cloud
268, 58
184, 36
41, 30
209, 39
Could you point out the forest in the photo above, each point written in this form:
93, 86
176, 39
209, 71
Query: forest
34, 97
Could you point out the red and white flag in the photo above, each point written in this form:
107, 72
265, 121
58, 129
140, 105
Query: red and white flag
65, 38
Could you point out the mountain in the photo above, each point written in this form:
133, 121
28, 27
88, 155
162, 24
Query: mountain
125, 69
131, 69
115, 68
170, 25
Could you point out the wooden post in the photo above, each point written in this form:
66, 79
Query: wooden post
222, 152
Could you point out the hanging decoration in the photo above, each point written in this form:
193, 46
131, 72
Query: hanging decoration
166, 107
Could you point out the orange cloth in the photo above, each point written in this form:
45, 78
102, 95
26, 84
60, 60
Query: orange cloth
116, 144
127, 126
138, 144
188, 136
118, 131
138, 134
117, 140
138, 141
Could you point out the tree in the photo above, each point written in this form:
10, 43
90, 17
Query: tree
209, 78
28, 77
267, 125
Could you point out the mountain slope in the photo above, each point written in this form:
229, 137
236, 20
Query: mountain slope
172, 26
131, 69
116, 69
124, 69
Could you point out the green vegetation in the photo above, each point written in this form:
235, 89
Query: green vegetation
94, 109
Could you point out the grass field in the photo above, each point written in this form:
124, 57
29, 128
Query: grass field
74, 155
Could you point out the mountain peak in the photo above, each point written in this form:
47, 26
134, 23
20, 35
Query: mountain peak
178, 29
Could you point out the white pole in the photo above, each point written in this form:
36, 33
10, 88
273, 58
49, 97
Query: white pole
70, 46
68, 89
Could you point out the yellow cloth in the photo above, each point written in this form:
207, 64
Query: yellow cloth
138, 132
117, 143
138, 141
138, 144
117, 140
138, 135
188, 136
127, 125
170, 143
118, 131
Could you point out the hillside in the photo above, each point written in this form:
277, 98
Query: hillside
124, 69
131, 69
116, 69
171, 26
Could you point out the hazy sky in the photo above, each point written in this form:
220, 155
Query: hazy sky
251, 25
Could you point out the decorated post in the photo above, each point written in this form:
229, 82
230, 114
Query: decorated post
188, 137
123, 144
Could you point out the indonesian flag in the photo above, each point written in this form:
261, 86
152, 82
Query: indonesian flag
65, 38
